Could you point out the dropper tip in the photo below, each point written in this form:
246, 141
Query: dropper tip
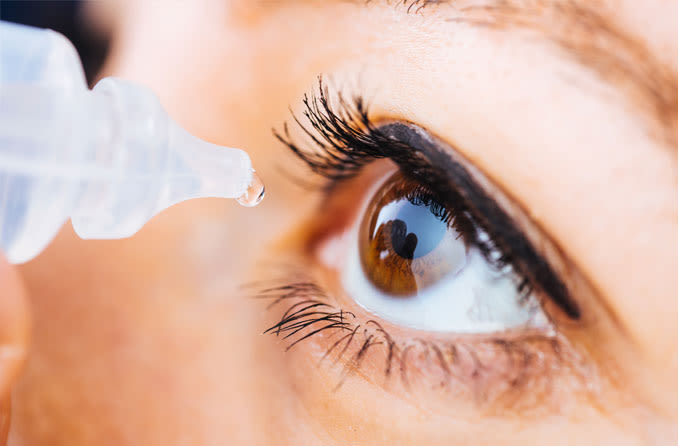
254, 193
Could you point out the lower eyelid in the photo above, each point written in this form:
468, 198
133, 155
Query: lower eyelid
501, 373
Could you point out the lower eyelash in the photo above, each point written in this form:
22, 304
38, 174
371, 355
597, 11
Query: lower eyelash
494, 372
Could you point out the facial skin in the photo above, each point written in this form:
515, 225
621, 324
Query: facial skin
152, 340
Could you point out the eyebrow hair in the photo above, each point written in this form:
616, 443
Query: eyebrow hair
590, 35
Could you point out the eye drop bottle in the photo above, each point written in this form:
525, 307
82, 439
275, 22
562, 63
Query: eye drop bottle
108, 158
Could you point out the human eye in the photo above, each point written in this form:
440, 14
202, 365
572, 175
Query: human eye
416, 261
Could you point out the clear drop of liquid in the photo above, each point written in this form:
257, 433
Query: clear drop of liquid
254, 194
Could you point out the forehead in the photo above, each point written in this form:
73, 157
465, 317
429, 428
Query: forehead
631, 45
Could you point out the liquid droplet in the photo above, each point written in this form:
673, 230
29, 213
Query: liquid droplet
254, 194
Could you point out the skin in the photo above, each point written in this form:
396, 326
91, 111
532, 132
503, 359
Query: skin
14, 321
150, 340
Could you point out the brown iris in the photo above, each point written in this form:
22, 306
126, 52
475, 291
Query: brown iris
407, 239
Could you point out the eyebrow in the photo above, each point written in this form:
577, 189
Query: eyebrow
589, 34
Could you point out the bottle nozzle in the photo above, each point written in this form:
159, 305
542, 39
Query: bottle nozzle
153, 164
201, 169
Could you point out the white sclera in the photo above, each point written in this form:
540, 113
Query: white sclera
476, 299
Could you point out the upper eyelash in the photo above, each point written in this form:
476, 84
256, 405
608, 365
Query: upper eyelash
346, 137
345, 140
348, 141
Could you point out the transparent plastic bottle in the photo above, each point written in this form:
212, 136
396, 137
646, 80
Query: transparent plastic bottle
108, 158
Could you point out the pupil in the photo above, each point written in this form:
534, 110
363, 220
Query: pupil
404, 244
415, 230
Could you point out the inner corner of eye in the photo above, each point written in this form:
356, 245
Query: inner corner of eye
410, 260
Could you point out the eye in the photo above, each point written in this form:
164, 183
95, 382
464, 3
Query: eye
439, 247
415, 261
417, 264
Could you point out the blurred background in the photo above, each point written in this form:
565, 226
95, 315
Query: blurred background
77, 20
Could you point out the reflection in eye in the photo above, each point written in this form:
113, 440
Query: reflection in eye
419, 267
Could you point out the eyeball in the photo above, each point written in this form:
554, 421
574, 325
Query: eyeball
417, 262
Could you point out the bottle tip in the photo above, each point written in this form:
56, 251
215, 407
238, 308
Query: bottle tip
254, 193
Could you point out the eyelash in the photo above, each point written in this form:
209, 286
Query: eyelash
345, 141
348, 139
494, 372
